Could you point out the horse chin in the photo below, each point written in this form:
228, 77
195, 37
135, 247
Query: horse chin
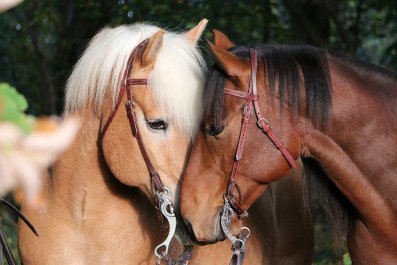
216, 235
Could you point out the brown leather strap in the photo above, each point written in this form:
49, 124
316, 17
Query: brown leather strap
247, 112
126, 81
131, 114
277, 143
251, 105
134, 124
233, 176
113, 113
136, 81
263, 124
240, 94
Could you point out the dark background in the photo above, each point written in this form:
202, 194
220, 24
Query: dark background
41, 40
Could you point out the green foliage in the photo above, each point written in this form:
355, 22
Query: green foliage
42, 40
8, 225
324, 249
346, 259
12, 107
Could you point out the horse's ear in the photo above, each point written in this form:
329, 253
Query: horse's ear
222, 40
152, 49
195, 33
231, 64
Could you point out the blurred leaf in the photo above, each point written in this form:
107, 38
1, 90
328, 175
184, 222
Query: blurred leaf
12, 107
346, 259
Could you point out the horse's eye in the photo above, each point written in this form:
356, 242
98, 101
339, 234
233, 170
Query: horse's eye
157, 124
214, 130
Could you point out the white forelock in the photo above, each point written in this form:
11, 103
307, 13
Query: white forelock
176, 81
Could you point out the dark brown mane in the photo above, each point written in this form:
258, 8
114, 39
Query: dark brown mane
285, 65
288, 67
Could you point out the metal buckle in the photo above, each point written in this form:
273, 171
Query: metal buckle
259, 122
245, 107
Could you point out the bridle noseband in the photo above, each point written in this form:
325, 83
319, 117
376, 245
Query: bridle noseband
251, 105
161, 192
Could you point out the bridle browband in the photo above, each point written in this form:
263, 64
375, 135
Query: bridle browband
161, 192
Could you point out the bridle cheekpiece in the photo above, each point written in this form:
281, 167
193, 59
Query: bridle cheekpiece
230, 203
161, 192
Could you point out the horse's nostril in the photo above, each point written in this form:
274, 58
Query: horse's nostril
190, 232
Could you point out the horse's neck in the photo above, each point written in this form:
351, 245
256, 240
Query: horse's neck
88, 198
80, 178
357, 151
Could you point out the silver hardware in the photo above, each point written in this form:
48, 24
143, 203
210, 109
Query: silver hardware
226, 219
247, 231
159, 258
246, 107
259, 122
168, 211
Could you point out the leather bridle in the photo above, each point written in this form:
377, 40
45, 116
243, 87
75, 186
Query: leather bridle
161, 192
159, 189
230, 203
251, 105
131, 114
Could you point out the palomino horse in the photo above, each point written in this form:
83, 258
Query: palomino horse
99, 204
339, 115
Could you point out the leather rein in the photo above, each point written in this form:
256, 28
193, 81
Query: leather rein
230, 203
161, 192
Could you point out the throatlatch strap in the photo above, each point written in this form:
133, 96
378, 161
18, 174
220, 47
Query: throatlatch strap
262, 123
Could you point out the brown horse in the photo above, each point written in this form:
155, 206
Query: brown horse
98, 204
338, 114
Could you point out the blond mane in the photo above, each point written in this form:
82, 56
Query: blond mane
176, 81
